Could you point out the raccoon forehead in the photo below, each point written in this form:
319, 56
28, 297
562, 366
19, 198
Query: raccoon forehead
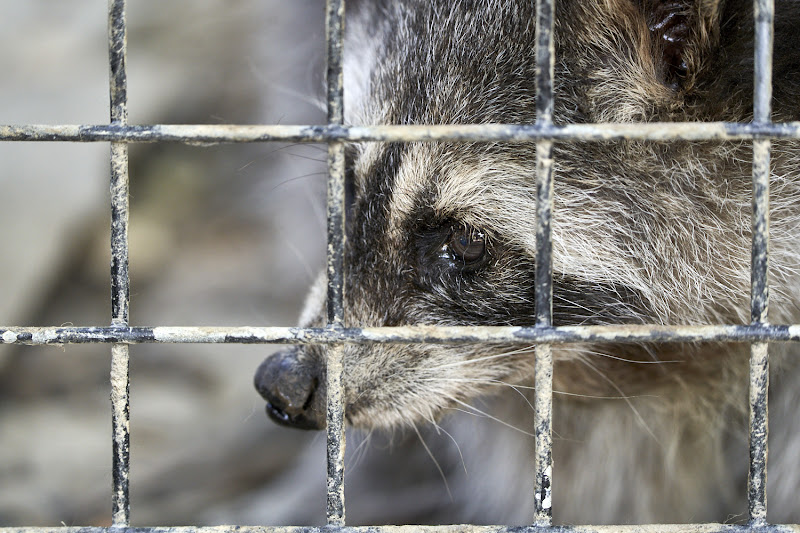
494, 195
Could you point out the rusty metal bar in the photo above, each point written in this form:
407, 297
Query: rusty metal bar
58, 335
764, 13
334, 27
204, 134
543, 362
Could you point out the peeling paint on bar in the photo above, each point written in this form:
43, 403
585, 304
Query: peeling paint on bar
764, 14
543, 354
458, 528
120, 279
202, 134
543, 429
200, 335
757, 475
334, 30
120, 404
335, 508
32, 336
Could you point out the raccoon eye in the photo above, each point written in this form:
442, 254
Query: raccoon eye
467, 244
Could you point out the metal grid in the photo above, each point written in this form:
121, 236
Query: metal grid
120, 334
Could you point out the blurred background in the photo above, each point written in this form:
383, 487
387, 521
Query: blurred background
219, 235
227, 235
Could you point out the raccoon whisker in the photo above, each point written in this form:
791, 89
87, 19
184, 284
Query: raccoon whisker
316, 147
298, 178
287, 90
484, 358
593, 397
636, 413
281, 150
477, 411
361, 450
624, 360
265, 155
300, 257
440, 430
307, 157
488, 382
470, 413
435, 462
592, 316
527, 387
584, 351
572, 303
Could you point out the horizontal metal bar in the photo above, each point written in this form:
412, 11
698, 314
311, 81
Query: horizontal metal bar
215, 134
648, 528
400, 334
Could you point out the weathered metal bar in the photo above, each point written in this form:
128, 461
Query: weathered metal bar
543, 362
759, 430
336, 236
58, 335
205, 134
120, 280
120, 422
119, 165
764, 11
646, 528
543, 428
335, 509
334, 28
764, 15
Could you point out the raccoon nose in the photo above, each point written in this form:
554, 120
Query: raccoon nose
292, 391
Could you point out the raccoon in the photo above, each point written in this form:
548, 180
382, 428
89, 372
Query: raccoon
643, 233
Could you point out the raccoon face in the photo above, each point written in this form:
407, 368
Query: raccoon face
444, 233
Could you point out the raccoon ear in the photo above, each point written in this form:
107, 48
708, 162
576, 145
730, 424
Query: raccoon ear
683, 34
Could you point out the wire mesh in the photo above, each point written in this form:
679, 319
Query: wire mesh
120, 334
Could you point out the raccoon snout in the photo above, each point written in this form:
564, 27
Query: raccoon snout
292, 391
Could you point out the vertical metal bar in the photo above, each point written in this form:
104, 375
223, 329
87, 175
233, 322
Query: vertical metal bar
334, 23
759, 292
543, 376
120, 281
120, 421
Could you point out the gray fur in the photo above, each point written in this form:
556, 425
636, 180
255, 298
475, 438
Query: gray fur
642, 233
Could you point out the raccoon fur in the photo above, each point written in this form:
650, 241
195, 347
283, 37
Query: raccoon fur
643, 233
